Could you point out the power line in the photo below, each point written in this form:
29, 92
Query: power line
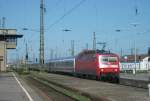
67, 13
55, 4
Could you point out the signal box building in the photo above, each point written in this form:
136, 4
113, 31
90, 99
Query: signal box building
8, 40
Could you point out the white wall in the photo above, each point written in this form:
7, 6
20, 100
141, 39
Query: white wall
143, 65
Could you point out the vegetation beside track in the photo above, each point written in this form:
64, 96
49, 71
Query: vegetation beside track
74, 95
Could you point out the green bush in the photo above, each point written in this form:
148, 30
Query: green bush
22, 71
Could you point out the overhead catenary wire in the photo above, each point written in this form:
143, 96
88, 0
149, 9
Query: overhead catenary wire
55, 5
67, 13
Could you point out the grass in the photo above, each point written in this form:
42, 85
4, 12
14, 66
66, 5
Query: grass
22, 71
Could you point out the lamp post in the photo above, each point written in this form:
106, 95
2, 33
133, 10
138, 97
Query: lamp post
135, 49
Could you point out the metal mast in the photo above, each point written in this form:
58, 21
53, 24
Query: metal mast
41, 60
4, 33
26, 58
72, 47
94, 41
135, 47
3, 22
0, 23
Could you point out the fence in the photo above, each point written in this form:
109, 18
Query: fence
138, 66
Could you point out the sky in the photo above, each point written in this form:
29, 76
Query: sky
82, 17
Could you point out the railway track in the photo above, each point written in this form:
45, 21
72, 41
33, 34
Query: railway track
128, 82
123, 81
91, 89
139, 83
53, 92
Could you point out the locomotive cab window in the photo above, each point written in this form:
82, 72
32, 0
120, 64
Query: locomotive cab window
112, 59
108, 59
104, 59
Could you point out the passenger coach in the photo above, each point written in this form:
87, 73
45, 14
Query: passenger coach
63, 65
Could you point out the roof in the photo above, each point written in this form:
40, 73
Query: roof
61, 59
95, 51
11, 35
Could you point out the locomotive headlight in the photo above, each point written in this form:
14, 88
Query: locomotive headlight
102, 70
116, 70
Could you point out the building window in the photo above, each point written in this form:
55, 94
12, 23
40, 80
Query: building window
11, 40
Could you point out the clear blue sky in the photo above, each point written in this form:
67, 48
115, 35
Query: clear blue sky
100, 16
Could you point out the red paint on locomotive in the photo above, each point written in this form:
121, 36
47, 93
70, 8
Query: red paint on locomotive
97, 63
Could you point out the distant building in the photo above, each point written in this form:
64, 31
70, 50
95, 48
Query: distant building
131, 58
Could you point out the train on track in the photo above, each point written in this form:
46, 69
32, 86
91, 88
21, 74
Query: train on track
100, 64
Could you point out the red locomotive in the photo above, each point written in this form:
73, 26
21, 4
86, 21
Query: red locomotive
101, 64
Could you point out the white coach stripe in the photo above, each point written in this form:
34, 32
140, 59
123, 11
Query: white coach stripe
28, 95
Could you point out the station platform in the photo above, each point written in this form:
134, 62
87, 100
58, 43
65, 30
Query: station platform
141, 80
14, 89
137, 76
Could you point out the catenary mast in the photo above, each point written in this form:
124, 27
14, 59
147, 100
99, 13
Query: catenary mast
41, 56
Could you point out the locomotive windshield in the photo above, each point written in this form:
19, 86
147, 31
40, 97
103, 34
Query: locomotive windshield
108, 59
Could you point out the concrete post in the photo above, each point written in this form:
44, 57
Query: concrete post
134, 71
148, 90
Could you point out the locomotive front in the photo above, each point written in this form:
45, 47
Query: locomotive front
109, 66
